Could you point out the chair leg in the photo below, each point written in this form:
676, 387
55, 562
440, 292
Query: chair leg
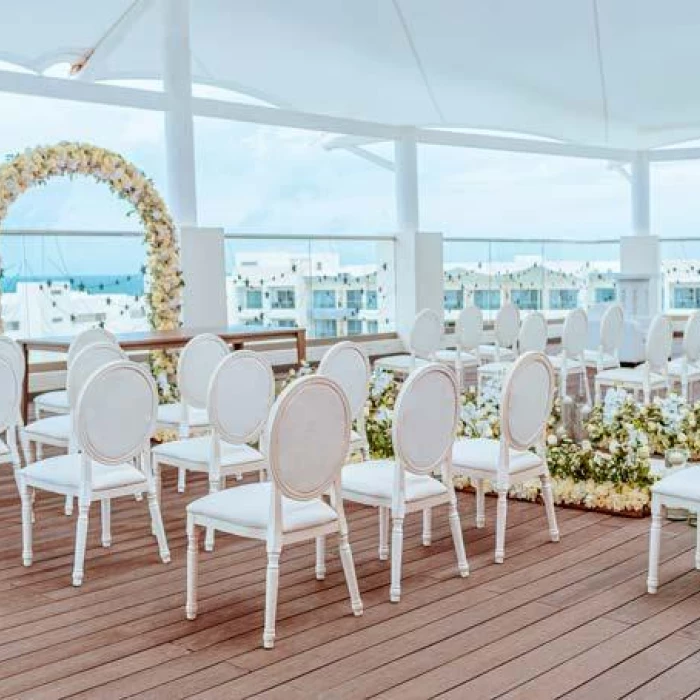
26, 523
192, 569
320, 557
157, 525
654, 546
480, 504
586, 385
181, 479
39, 451
548, 499
457, 537
697, 547
501, 515
271, 586
349, 571
80, 541
106, 518
214, 487
427, 527
68, 505
396, 555
384, 533
597, 395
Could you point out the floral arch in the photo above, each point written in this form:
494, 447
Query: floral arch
164, 299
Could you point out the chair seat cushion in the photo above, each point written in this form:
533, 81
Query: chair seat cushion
53, 401
54, 427
684, 483
675, 369
376, 478
488, 353
492, 368
468, 359
171, 414
571, 364
482, 454
399, 363
198, 451
629, 375
591, 358
248, 506
64, 472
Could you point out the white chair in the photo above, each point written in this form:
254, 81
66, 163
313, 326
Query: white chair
607, 355
306, 444
424, 341
347, 364
525, 406
425, 422
241, 392
56, 402
680, 489
10, 402
686, 369
506, 329
468, 335
651, 375
114, 421
196, 364
570, 360
12, 352
532, 337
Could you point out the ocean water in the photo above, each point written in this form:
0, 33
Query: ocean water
133, 285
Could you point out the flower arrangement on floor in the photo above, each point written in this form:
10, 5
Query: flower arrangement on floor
37, 165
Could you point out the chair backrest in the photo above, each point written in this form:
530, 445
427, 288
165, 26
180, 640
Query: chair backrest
612, 326
89, 337
659, 343
425, 419
241, 392
10, 394
507, 325
85, 363
533, 333
426, 334
691, 337
198, 360
526, 401
575, 334
470, 328
347, 364
12, 352
116, 413
307, 437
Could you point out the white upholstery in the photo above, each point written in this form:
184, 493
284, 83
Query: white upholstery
488, 353
63, 472
375, 478
492, 368
572, 365
197, 451
675, 368
468, 358
53, 401
171, 414
629, 375
424, 342
53, 427
248, 506
593, 357
400, 363
684, 483
482, 454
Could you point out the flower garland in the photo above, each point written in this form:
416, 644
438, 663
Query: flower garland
36, 166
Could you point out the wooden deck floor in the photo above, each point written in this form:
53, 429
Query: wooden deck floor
569, 619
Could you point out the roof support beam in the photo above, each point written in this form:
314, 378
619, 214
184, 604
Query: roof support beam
371, 157
671, 154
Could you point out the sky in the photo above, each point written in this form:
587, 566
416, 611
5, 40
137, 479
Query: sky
262, 179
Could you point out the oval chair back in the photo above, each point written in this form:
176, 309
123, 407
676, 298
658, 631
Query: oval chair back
425, 419
533, 333
575, 334
241, 392
347, 364
10, 394
611, 329
691, 338
197, 362
12, 352
507, 325
116, 414
87, 337
426, 334
469, 329
526, 402
85, 363
659, 344
307, 437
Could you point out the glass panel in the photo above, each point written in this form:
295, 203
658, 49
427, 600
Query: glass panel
680, 274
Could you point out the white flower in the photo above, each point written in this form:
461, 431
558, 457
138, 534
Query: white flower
552, 440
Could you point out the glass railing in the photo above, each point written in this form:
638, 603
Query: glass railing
680, 274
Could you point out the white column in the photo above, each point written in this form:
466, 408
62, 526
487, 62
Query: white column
640, 194
179, 126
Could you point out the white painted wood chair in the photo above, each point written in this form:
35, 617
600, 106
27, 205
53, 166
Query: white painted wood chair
196, 364
12, 352
425, 422
241, 392
56, 402
649, 377
570, 361
685, 370
347, 364
680, 489
10, 402
506, 330
532, 337
607, 354
306, 443
469, 332
424, 341
525, 406
114, 421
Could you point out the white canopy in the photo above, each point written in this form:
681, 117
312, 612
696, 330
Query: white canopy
619, 73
